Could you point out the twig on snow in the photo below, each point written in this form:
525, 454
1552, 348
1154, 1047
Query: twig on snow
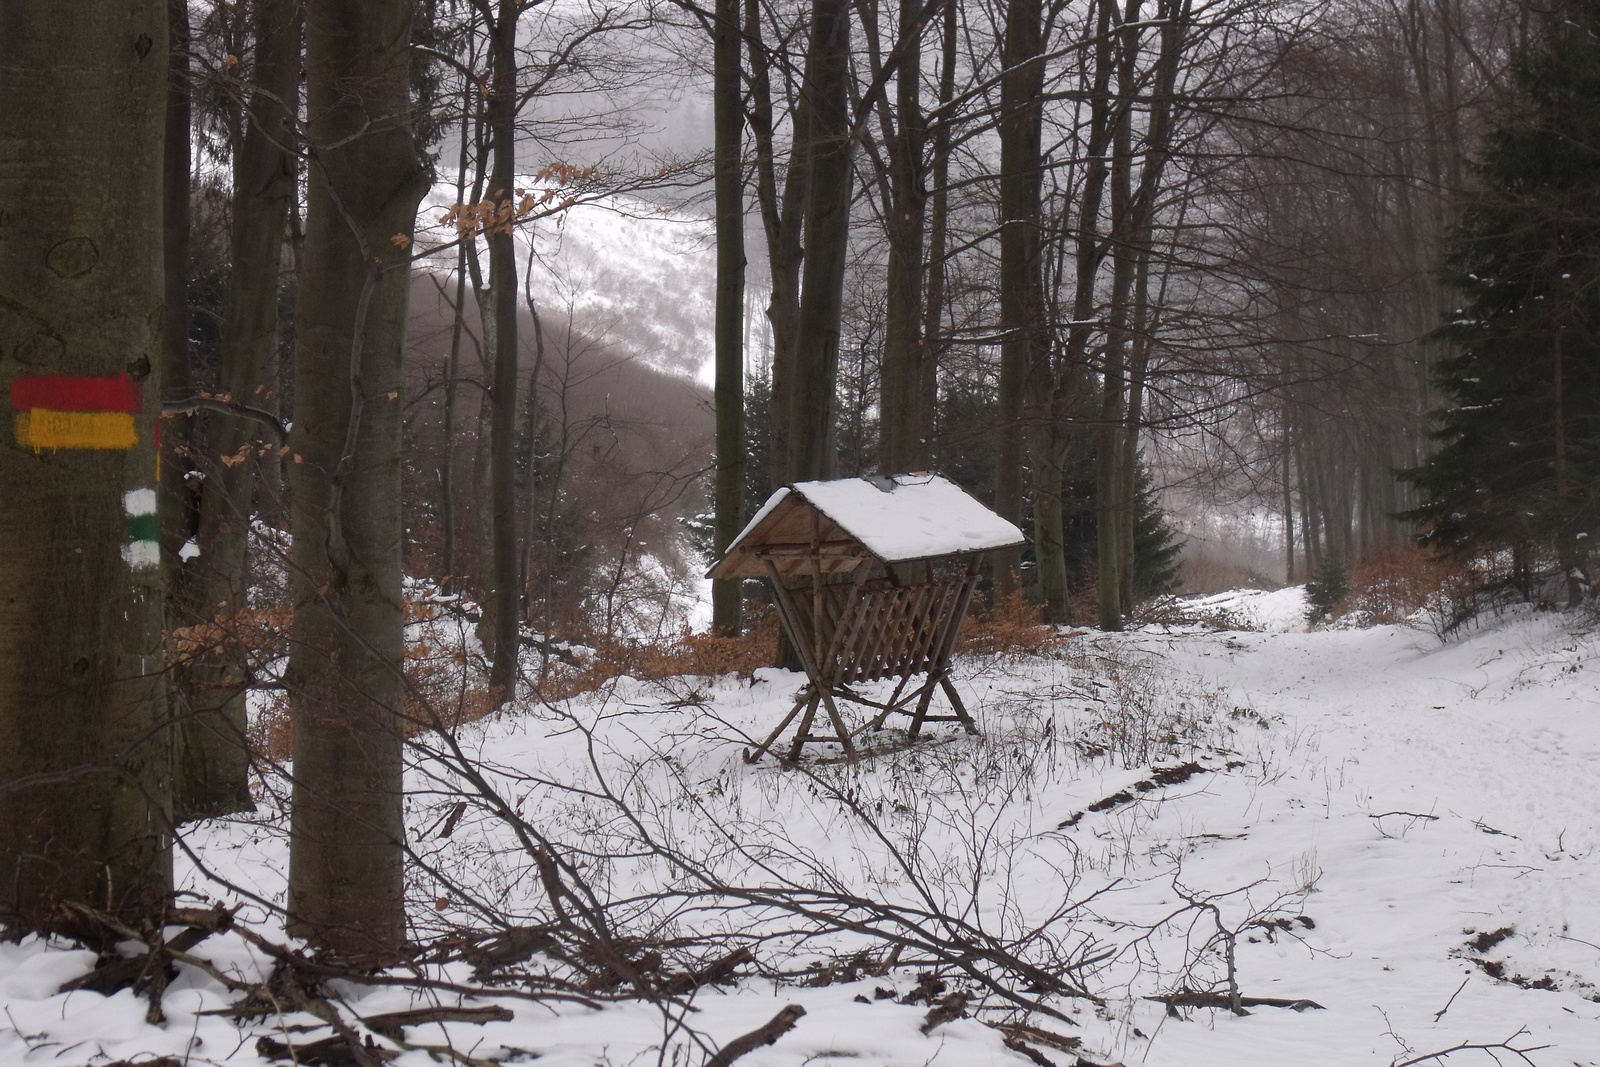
1440, 1013
1478, 1046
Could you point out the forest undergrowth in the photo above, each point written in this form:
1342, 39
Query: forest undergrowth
608, 848
604, 837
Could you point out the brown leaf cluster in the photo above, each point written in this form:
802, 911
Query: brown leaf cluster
500, 212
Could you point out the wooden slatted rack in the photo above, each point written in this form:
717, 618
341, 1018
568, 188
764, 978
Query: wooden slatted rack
855, 617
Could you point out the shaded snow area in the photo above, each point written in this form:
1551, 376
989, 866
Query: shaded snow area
1404, 833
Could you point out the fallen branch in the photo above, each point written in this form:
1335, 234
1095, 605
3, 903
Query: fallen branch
1059, 1042
121, 972
391, 1023
713, 972
1191, 999
266, 419
1018, 1045
330, 1052
775, 1028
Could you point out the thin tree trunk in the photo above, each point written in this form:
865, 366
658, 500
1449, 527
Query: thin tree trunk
783, 218
1288, 505
482, 454
82, 701
938, 232
1063, 387
502, 117
1566, 539
726, 593
903, 436
452, 372
813, 449
1021, 115
532, 408
347, 833
1140, 343
213, 758
1308, 526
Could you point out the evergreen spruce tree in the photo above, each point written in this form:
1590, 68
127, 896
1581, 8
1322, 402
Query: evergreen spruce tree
1518, 470
1326, 589
1155, 544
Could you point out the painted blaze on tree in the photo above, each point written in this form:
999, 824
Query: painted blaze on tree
84, 744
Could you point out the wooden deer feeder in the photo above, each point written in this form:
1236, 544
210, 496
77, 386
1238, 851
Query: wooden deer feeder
872, 578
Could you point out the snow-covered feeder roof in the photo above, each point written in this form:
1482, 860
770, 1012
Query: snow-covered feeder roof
896, 519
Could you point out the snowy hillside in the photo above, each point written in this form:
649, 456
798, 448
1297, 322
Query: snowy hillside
640, 278
1404, 834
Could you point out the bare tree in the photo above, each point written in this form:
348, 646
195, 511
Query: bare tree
812, 445
345, 887
213, 763
728, 96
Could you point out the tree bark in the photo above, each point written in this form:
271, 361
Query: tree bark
1288, 507
938, 232
502, 118
85, 749
213, 760
1021, 115
344, 677
452, 369
178, 504
813, 449
903, 436
783, 218
726, 594
1113, 377
1176, 16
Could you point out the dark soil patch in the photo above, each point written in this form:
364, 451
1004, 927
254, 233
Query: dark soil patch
1488, 939
1160, 776
1485, 941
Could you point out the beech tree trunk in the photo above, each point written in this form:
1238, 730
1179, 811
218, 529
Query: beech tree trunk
346, 687
1113, 378
501, 108
213, 760
1021, 115
726, 594
783, 218
813, 449
903, 441
85, 749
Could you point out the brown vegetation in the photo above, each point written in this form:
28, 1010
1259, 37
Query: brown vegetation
1011, 627
1395, 580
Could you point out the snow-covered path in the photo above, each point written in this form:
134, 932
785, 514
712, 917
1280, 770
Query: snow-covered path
1443, 799
1443, 792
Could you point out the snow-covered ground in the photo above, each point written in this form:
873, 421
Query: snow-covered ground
1404, 832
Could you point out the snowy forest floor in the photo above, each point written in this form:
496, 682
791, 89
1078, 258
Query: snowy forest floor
1406, 833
